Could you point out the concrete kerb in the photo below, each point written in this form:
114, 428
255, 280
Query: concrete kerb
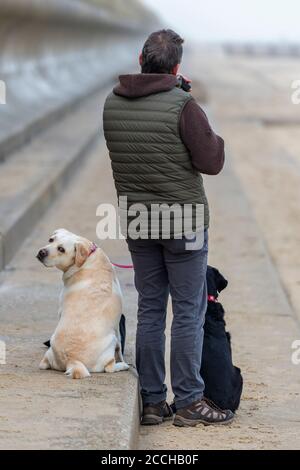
32, 210
24, 135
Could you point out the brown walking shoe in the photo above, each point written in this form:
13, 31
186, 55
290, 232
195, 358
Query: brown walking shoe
202, 412
156, 414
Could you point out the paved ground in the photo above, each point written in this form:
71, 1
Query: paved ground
254, 242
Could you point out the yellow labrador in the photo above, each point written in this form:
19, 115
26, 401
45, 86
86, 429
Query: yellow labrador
87, 336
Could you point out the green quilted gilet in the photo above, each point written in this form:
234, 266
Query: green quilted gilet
150, 163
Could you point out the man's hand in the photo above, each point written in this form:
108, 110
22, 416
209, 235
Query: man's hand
184, 82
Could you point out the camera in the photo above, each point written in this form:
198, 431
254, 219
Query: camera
184, 84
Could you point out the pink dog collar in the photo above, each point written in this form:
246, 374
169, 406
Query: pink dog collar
124, 266
93, 249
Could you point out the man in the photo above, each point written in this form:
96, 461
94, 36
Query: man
159, 142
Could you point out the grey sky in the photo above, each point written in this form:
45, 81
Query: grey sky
215, 20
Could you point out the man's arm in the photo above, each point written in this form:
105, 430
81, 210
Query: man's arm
205, 147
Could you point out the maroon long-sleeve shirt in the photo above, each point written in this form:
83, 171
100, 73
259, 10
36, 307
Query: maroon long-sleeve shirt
205, 147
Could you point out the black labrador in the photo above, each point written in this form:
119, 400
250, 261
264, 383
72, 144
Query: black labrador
223, 381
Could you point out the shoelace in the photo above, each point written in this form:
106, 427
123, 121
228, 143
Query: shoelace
170, 411
212, 405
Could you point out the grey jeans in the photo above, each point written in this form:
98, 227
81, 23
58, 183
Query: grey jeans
162, 267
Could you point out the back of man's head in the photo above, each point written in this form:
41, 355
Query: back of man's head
162, 51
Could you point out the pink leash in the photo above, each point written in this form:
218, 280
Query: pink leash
124, 266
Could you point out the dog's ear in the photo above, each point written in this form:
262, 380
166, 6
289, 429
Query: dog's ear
221, 282
81, 253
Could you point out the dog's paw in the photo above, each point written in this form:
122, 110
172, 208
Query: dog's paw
121, 366
114, 366
44, 364
77, 370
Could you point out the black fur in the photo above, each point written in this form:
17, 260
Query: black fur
223, 381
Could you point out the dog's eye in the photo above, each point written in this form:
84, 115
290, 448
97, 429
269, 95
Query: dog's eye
61, 249
51, 240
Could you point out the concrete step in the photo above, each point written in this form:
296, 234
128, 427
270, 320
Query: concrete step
45, 409
54, 53
35, 174
22, 120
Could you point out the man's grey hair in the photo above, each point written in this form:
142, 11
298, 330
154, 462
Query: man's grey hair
162, 51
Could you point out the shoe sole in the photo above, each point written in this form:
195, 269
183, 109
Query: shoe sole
184, 422
152, 420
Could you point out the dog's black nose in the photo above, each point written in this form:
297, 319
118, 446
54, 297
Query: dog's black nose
42, 254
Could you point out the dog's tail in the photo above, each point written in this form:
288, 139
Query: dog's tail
77, 370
